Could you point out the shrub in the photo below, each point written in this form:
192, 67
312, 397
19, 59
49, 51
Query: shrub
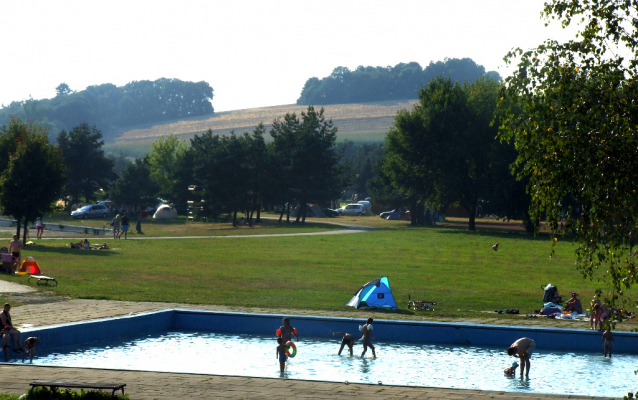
42, 393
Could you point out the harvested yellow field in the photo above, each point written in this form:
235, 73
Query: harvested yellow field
356, 122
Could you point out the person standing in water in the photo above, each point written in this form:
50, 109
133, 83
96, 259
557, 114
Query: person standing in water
286, 331
281, 354
523, 348
367, 337
347, 339
608, 342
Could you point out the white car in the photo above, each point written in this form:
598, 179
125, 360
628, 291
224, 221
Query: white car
95, 210
353, 209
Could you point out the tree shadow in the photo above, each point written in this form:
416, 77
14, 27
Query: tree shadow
67, 250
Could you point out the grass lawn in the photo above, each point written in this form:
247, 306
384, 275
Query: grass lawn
453, 267
183, 227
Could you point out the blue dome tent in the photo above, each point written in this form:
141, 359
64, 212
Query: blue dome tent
374, 294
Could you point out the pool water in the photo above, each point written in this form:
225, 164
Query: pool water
462, 367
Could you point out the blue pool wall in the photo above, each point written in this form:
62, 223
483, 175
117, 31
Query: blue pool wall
83, 333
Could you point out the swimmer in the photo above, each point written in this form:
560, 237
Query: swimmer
608, 342
286, 331
347, 339
29, 347
511, 371
523, 348
367, 337
281, 354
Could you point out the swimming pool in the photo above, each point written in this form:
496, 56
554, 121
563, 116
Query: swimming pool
469, 356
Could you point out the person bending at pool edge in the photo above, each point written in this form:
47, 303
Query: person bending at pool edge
367, 337
286, 331
347, 339
281, 354
523, 348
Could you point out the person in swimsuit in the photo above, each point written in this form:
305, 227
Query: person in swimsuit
523, 348
347, 339
29, 347
124, 226
367, 337
15, 248
608, 342
116, 226
5, 322
281, 354
595, 313
4, 344
286, 331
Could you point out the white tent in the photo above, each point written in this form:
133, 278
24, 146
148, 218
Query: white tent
165, 212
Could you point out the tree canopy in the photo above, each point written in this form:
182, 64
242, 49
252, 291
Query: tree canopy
571, 110
34, 175
112, 107
87, 168
402, 81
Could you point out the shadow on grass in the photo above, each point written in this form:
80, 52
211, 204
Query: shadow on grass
67, 250
544, 237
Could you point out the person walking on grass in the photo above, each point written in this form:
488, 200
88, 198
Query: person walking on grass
116, 223
125, 226
39, 228
523, 348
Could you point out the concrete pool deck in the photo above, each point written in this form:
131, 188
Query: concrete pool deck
15, 378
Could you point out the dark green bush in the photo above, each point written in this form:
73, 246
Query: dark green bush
42, 393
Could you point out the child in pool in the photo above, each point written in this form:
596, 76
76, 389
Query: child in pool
347, 339
367, 337
608, 342
281, 354
511, 371
286, 331
29, 347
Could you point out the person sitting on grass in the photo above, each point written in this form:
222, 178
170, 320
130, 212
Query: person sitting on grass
574, 304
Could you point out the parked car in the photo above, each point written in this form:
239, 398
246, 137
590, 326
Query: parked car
105, 203
365, 203
91, 211
330, 212
352, 209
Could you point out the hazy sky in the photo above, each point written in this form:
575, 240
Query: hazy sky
253, 53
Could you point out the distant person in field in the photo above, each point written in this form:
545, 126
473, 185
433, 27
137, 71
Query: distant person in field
125, 225
116, 223
523, 348
39, 228
367, 337
608, 342
15, 248
346, 340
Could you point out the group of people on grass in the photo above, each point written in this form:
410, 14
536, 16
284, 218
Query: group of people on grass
86, 245
120, 225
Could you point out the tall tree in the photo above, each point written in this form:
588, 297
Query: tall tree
87, 168
164, 164
135, 186
577, 133
34, 176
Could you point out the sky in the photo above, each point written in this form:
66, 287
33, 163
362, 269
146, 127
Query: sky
253, 53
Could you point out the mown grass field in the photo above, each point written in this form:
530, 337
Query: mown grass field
356, 122
453, 267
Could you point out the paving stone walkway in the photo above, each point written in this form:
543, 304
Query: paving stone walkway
15, 378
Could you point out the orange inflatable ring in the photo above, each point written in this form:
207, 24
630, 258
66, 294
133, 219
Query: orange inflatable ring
294, 349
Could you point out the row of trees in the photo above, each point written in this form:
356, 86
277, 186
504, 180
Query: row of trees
112, 107
402, 81
445, 152
241, 173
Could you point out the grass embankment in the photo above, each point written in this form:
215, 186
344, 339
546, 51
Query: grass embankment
453, 267
356, 122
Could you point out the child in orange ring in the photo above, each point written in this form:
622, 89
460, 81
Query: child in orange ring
286, 331
281, 354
